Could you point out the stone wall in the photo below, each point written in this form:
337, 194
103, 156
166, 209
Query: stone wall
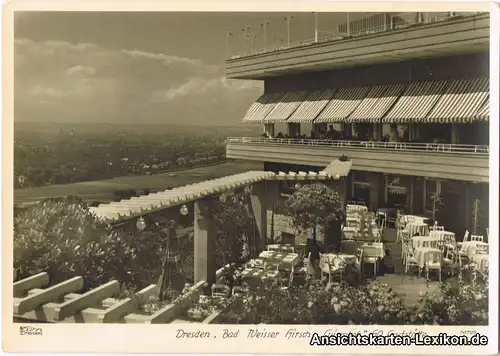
283, 224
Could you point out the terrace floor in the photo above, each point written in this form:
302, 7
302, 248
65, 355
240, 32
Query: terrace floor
408, 286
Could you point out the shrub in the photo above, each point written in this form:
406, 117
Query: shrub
61, 237
460, 303
65, 240
339, 303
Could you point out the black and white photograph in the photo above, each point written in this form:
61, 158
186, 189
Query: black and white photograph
258, 168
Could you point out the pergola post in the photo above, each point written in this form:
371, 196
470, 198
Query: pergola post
204, 244
262, 197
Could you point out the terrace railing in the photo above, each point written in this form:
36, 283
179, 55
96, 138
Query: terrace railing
366, 30
370, 145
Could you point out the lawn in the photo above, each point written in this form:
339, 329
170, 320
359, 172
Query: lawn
102, 190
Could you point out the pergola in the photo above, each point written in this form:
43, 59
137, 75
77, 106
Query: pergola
264, 190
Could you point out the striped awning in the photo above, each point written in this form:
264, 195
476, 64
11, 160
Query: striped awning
366, 104
261, 107
343, 103
461, 101
416, 102
483, 114
285, 107
312, 106
382, 105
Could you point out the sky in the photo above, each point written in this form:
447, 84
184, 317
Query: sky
152, 67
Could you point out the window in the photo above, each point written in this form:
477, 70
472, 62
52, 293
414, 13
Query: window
396, 192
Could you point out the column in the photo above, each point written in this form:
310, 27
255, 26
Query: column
269, 129
455, 134
412, 193
204, 244
263, 195
377, 132
468, 205
386, 184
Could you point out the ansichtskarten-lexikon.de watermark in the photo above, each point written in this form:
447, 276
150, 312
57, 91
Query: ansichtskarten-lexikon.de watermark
373, 339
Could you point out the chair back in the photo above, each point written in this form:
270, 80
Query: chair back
450, 253
433, 256
273, 247
436, 228
286, 248
221, 290
478, 238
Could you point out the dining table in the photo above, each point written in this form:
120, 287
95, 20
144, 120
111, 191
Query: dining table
336, 258
373, 249
283, 260
415, 227
414, 218
353, 208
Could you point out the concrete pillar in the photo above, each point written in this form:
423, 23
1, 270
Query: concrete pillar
412, 191
455, 134
204, 244
263, 195
377, 132
269, 129
468, 206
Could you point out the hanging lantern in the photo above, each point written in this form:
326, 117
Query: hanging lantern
298, 186
141, 224
222, 198
184, 210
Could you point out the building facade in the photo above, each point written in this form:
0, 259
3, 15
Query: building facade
409, 105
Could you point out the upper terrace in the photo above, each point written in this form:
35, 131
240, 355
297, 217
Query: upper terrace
391, 41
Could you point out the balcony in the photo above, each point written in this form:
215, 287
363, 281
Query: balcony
444, 161
460, 35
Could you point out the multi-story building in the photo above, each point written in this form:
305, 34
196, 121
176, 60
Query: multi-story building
405, 97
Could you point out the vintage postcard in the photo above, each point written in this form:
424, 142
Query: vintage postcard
250, 177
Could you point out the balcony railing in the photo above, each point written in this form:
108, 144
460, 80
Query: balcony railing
371, 145
424, 19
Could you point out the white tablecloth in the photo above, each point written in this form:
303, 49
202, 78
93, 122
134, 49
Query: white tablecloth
417, 227
481, 262
424, 254
353, 221
282, 259
336, 261
375, 249
415, 218
252, 273
424, 241
351, 207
